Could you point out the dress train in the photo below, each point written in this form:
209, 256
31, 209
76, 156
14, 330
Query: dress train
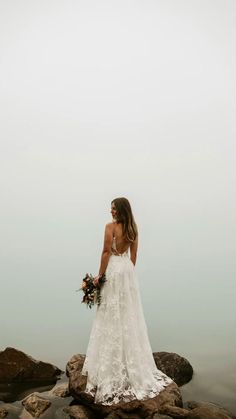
119, 363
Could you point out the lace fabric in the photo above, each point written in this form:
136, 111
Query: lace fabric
119, 363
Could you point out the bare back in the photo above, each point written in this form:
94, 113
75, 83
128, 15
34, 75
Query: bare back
121, 244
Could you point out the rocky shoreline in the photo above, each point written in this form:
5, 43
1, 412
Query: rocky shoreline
30, 389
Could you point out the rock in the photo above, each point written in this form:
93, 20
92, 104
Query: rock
169, 397
174, 411
74, 364
160, 416
79, 412
10, 410
61, 391
175, 366
77, 381
16, 366
118, 414
18, 391
3, 412
35, 404
207, 410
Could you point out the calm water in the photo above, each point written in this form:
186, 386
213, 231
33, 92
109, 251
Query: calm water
56, 335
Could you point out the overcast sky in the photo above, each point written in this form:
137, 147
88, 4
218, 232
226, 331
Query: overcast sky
101, 99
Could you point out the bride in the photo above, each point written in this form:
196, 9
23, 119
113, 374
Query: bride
119, 363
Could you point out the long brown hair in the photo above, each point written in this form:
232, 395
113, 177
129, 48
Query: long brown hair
126, 218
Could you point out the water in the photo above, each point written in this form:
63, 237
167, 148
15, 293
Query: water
52, 337
188, 303
188, 300
214, 380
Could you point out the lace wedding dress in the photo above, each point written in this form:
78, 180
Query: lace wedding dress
119, 363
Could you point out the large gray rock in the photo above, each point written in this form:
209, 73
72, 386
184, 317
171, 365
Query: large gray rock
168, 399
16, 366
207, 410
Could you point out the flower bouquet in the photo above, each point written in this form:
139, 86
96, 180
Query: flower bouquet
91, 292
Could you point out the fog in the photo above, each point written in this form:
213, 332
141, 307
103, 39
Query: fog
106, 99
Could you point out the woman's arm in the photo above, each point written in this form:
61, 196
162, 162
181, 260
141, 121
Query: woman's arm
106, 252
133, 250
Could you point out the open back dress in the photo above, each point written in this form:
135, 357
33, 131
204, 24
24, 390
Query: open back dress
119, 363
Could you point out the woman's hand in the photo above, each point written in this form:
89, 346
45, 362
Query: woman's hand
96, 280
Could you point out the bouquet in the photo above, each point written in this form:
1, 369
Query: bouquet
91, 292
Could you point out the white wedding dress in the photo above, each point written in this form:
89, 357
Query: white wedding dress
119, 363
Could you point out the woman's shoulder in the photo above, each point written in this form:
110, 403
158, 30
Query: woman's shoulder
113, 226
110, 225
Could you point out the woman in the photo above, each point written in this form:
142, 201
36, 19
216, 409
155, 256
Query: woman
119, 362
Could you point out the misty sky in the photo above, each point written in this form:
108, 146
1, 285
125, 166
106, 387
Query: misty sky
101, 99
